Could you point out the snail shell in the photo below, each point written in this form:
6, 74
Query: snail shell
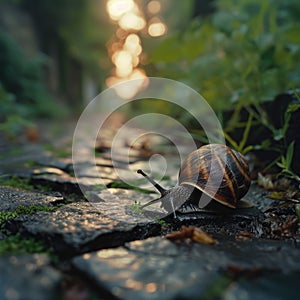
216, 170
197, 167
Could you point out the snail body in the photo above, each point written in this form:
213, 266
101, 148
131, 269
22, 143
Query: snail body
214, 171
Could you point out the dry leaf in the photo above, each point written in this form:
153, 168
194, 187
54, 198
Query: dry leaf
201, 236
244, 235
191, 233
284, 196
265, 181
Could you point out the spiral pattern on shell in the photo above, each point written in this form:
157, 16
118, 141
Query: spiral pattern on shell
209, 161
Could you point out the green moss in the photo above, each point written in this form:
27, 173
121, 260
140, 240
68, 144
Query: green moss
6, 216
23, 183
19, 245
22, 210
218, 288
17, 182
27, 210
58, 152
136, 207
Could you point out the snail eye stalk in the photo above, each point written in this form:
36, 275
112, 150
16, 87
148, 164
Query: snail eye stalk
154, 183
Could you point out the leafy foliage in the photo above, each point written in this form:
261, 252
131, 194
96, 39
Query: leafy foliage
77, 26
279, 143
6, 216
70, 32
21, 81
241, 146
23, 95
247, 52
285, 163
243, 55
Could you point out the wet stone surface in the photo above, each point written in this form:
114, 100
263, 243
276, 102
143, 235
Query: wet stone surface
28, 277
12, 198
78, 227
275, 286
160, 269
119, 253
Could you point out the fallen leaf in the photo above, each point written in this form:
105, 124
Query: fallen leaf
191, 233
265, 181
271, 182
185, 233
284, 196
244, 235
200, 236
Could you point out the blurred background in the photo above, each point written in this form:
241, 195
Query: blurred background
55, 56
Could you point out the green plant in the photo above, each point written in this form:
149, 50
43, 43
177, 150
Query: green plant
245, 53
23, 95
278, 141
136, 207
22, 210
27, 210
241, 146
27, 93
63, 26
285, 163
281, 132
241, 56
19, 245
12, 114
15, 181
6, 216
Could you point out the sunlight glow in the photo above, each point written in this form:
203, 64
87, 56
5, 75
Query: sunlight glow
129, 90
154, 7
117, 8
125, 48
132, 21
157, 28
132, 44
123, 62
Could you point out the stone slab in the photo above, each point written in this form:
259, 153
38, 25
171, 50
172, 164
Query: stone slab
11, 198
79, 227
157, 268
28, 277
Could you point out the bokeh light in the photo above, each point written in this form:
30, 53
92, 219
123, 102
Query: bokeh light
117, 8
154, 7
125, 49
157, 28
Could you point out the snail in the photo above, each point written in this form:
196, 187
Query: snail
223, 165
